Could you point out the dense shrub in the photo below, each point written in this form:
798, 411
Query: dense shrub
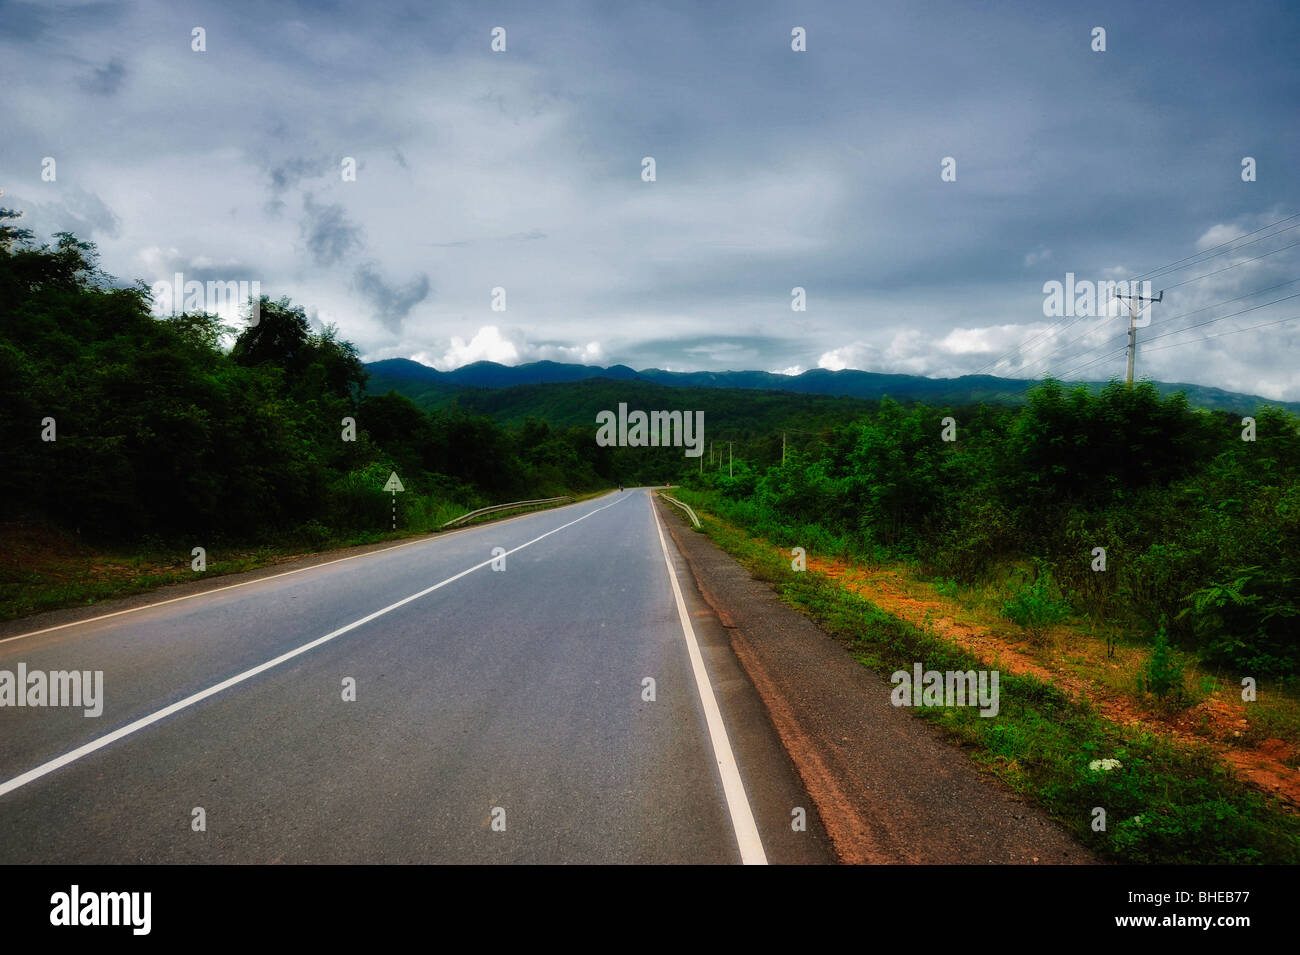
1200, 528
167, 428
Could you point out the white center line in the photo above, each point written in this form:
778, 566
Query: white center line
424, 539
742, 818
96, 744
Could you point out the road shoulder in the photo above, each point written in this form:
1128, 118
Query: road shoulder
887, 786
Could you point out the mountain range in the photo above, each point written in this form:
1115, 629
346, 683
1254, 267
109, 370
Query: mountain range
419, 381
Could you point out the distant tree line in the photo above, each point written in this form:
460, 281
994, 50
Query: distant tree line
126, 426
1200, 528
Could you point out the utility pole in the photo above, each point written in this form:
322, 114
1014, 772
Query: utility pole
1133, 301
730, 471
783, 449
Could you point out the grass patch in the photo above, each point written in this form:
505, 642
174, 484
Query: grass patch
1164, 802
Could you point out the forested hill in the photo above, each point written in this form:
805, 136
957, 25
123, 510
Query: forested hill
428, 385
731, 412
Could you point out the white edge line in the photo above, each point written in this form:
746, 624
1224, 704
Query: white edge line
742, 817
99, 743
422, 539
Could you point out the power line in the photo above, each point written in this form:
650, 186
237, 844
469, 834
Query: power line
1188, 328
1178, 331
1046, 333
1175, 318
1243, 311
1152, 273
1074, 369
1233, 266
1204, 255
1051, 356
1232, 331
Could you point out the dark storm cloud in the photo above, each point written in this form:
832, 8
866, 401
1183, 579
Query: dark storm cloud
30, 22
25, 21
105, 80
391, 302
329, 234
73, 210
290, 172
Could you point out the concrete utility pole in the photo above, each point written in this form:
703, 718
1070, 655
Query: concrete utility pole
783, 448
1133, 301
730, 471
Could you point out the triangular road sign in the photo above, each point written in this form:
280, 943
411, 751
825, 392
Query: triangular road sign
394, 483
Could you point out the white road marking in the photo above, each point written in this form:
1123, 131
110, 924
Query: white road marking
96, 744
258, 580
742, 817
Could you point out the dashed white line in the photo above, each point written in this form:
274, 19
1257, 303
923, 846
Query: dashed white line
99, 743
246, 583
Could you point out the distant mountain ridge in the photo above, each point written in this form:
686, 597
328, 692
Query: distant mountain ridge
411, 378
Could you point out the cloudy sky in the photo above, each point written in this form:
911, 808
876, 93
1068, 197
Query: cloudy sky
522, 169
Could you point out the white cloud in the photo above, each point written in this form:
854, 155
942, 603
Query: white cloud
858, 355
1218, 235
589, 354
509, 347
961, 351
155, 260
486, 345
730, 354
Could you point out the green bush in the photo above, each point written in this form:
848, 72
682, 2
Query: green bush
1037, 607
1210, 832
1249, 622
1163, 673
314, 534
945, 587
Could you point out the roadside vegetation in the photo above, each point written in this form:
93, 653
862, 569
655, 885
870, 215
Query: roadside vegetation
130, 439
1131, 564
1137, 512
1166, 799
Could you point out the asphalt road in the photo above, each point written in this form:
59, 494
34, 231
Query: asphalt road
500, 715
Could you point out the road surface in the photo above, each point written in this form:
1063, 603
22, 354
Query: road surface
499, 715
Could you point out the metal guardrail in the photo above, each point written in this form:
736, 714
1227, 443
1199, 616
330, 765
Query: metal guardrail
502, 507
686, 507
